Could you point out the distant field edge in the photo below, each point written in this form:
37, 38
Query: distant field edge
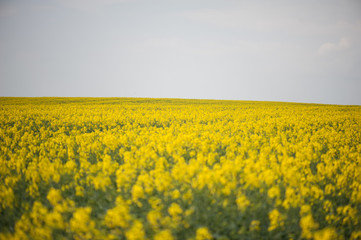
6, 100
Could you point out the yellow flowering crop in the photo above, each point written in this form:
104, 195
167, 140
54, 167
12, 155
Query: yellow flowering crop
134, 168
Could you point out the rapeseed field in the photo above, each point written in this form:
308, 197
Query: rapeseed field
132, 168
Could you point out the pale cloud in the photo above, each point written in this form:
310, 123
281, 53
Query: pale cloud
41, 7
8, 11
253, 55
264, 20
88, 5
292, 19
182, 46
303, 51
330, 47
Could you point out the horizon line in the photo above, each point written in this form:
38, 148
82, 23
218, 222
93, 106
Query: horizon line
185, 98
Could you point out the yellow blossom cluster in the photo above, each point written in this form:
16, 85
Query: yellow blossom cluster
135, 168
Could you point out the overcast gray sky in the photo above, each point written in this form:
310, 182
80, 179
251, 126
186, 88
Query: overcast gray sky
298, 51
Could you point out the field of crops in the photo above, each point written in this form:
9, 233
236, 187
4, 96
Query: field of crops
123, 168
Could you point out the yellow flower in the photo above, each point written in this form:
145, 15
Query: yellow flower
326, 234
203, 234
81, 223
136, 232
6, 197
175, 194
160, 158
118, 216
305, 210
255, 225
137, 193
154, 218
54, 196
242, 202
79, 191
55, 220
276, 220
101, 181
356, 235
274, 192
175, 210
164, 235
308, 226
